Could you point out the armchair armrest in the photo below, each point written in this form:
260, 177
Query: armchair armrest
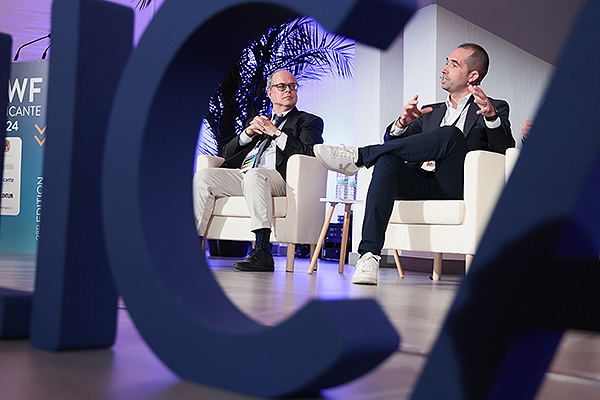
306, 178
484, 181
206, 161
306, 184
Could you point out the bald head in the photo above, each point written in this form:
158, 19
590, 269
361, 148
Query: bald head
282, 89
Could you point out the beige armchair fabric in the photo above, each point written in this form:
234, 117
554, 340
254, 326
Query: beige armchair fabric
450, 226
297, 217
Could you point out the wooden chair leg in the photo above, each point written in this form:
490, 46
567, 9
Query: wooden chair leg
313, 250
468, 261
291, 254
437, 266
313, 260
345, 229
398, 265
205, 233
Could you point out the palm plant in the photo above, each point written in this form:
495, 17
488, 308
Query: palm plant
301, 47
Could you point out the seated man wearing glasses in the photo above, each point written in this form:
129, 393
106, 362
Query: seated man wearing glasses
255, 166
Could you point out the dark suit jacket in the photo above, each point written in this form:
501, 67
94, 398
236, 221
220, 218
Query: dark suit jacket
477, 134
303, 130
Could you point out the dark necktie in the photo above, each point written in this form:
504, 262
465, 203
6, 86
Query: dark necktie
261, 146
277, 119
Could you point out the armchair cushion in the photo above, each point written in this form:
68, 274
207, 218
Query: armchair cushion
297, 217
450, 226
237, 207
439, 212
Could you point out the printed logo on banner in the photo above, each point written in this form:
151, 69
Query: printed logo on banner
41, 132
11, 181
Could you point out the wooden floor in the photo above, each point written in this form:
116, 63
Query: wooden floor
129, 370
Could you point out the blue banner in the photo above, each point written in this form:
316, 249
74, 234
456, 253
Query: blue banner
22, 183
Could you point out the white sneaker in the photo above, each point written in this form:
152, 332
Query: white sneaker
366, 269
338, 158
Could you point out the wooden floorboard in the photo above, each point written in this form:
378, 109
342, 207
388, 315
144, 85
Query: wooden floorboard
415, 305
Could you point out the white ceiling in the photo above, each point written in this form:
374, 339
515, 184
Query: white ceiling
539, 27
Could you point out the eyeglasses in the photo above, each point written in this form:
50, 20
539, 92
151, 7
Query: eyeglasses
281, 86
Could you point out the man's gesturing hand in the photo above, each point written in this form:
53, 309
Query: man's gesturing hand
411, 112
485, 106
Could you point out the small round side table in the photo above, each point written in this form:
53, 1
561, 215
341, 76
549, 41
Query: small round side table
346, 225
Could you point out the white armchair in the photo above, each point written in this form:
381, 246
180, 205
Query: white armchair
450, 226
297, 217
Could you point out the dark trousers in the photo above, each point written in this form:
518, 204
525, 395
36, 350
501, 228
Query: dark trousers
397, 175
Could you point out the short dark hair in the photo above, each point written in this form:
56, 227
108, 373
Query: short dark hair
478, 61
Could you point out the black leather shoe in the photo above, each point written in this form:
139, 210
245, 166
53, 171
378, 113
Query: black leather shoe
257, 260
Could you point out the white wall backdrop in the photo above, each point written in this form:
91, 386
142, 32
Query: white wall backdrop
514, 75
331, 98
421, 70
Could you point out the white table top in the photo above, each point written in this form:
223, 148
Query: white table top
326, 200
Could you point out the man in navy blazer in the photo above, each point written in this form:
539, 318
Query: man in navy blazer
255, 166
423, 152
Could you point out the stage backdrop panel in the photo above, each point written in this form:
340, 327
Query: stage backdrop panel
22, 183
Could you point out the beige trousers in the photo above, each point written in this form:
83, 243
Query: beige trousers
257, 185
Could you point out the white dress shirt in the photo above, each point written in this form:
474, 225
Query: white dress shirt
268, 158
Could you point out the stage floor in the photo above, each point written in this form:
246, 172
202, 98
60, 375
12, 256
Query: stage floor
129, 370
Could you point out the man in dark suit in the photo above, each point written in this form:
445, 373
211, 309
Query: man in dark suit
255, 166
423, 152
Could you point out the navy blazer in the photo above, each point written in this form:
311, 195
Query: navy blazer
477, 134
303, 131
